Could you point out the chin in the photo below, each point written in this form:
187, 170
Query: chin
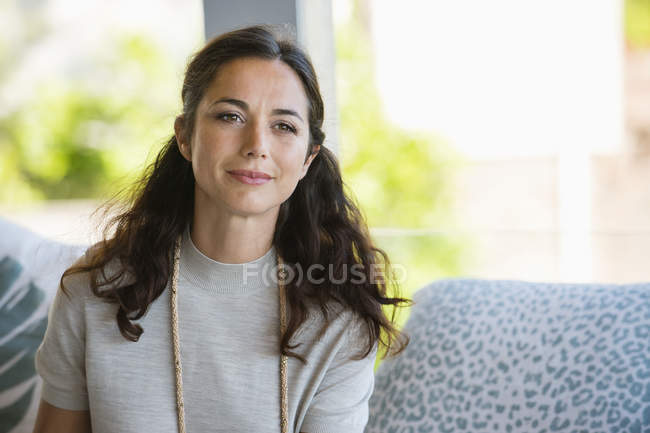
250, 209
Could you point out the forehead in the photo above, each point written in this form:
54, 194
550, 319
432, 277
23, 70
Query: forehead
259, 81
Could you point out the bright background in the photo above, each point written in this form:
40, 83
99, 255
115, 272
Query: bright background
508, 139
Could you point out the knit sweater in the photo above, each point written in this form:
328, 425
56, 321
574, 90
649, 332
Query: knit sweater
229, 329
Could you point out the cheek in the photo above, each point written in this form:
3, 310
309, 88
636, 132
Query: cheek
207, 147
292, 161
203, 165
292, 174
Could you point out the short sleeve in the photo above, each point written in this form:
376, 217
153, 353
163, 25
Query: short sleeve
340, 404
60, 357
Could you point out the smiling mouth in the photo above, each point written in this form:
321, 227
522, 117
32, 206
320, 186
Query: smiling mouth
251, 174
248, 179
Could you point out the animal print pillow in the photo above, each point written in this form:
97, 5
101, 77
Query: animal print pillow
513, 356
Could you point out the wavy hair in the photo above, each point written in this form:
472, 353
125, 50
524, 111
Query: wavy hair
318, 224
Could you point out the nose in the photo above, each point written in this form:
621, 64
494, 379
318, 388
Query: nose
255, 141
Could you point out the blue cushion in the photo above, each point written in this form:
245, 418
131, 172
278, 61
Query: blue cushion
21, 333
514, 356
30, 268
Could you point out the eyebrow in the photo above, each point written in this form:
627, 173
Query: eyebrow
243, 105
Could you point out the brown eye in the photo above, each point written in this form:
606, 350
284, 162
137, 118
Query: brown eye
286, 127
230, 117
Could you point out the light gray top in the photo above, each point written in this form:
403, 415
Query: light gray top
229, 329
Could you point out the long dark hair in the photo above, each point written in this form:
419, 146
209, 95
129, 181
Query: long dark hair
318, 224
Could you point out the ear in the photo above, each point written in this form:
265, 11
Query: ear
183, 144
305, 166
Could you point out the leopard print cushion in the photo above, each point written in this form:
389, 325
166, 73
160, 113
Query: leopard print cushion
513, 356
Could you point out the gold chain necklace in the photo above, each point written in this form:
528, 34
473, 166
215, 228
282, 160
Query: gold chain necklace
284, 413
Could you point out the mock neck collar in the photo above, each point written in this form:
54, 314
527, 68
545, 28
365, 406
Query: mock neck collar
217, 277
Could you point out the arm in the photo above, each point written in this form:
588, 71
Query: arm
340, 403
51, 419
60, 361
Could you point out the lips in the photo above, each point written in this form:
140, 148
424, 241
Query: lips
250, 173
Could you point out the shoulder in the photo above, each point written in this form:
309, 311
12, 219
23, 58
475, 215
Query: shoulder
75, 283
360, 340
346, 326
79, 280
333, 314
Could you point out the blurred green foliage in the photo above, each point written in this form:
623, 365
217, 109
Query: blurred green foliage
401, 179
83, 137
637, 23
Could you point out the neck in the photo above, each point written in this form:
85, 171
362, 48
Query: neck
229, 238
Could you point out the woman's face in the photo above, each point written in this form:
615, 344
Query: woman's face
252, 118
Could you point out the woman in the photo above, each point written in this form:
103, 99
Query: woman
173, 323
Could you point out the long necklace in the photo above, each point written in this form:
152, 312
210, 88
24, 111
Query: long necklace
284, 413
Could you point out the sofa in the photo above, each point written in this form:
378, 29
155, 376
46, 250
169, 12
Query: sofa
484, 356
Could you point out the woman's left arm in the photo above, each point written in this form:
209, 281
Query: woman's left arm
341, 402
